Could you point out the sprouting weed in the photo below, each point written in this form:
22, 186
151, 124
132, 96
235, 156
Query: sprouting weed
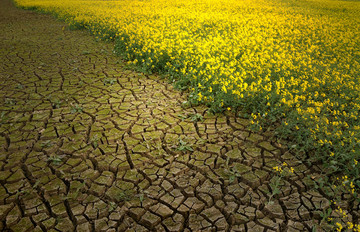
184, 146
46, 144
76, 109
3, 117
232, 172
56, 160
20, 86
275, 188
95, 141
192, 117
56, 104
112, 206
10, 101
141, 197
196, 117
125, 195
109, 81
182, 117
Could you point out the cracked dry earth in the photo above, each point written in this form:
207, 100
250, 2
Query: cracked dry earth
87, 145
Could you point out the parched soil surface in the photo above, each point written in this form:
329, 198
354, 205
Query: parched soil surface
87, 145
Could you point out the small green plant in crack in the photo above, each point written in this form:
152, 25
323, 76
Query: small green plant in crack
76, 109
103, 51
148, 103
112, 206
109, 81
56, 104
42, 64
141, 198
58, 220
196, 117
95, 141
3, 118
46, 144
202, 141
193, 117
56, 160
9, 101
79, 189
184, 146
85, 52
275, 188
20, 86
36, 184
182, 117
22, 193
125, 195
231, 172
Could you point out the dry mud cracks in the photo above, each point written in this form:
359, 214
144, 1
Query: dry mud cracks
86, 145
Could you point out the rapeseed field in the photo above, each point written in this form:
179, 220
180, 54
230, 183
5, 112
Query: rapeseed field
289, 65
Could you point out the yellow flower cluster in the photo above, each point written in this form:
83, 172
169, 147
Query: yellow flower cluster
278, 169
349, 225
347, 184
353, 227
341, 221
283, 167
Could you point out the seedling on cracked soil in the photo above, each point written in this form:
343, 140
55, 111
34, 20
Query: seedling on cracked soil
46, 144
183, 146
56, 104
196, 117
9, 101
56, 160
232, 172
3, 118
20, 86
76, 109
109, 81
